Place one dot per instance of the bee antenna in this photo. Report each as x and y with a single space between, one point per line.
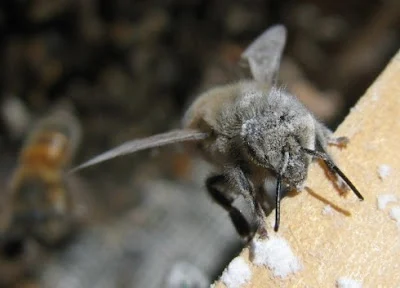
278 191
332 166
278 202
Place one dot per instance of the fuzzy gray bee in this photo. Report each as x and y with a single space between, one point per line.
249 130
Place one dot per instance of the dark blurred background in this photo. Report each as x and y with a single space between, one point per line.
130 68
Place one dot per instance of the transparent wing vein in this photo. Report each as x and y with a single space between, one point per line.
144 143
264 54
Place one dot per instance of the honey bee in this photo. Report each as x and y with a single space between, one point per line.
250 131
40 204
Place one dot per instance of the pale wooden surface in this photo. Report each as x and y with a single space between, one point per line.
358 240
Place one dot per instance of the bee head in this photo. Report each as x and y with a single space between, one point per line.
266 140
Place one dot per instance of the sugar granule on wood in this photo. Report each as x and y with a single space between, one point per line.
327 210
276 254
384 171
385 199
345 282
236 274
395 214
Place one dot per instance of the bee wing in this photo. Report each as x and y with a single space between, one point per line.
264 54
145 143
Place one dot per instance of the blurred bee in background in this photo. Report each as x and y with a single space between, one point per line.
250 131
40 205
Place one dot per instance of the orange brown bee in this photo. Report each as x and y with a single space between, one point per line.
41 206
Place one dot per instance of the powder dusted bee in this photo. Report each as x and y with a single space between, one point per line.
249 130
41 205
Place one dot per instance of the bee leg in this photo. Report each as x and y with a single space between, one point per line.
335 169
225 199
241 183
324 138
260 220
339 141
263 208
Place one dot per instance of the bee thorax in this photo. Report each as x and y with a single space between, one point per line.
251 128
